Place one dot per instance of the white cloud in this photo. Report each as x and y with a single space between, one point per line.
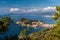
48 16
49 8
45 9
14 9
33 10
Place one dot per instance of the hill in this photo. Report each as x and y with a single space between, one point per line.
48 34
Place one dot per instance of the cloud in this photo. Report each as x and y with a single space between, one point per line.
45 9
48 16
23 10
49 8
29 10
33 10
14 9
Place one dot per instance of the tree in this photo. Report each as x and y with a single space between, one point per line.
56 16
4 23
23 32
58 8
23 19
48 34
58 22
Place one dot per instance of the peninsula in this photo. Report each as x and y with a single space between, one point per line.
33 23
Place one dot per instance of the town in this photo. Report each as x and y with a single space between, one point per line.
33 23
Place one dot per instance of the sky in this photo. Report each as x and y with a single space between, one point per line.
27 6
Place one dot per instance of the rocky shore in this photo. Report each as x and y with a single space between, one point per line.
33 23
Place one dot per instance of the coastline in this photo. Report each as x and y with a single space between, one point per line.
39 24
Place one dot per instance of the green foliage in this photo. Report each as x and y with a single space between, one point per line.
50 33
57 13
58 8
4 22
23 19
56 16
23 32
58 22
27 21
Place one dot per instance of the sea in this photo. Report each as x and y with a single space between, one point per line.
14 28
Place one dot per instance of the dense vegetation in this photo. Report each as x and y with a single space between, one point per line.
4 23
50 33
23 32
28 21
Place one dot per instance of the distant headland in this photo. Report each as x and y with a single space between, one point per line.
33 23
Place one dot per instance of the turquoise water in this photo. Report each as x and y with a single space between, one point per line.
16 29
